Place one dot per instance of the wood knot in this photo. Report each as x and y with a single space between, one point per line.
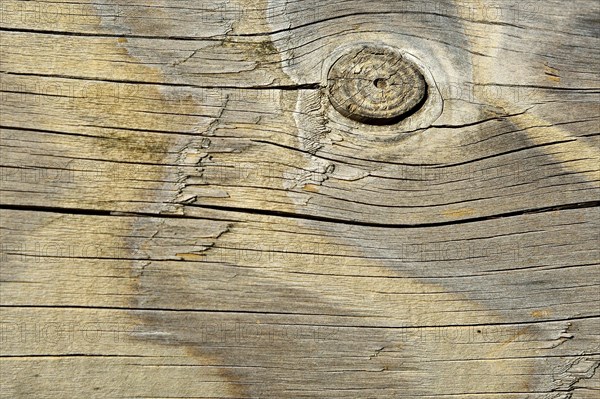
376 85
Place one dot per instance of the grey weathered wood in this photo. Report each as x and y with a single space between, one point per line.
185 215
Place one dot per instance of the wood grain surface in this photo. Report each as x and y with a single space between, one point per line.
185 215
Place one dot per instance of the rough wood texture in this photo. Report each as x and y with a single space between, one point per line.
184 215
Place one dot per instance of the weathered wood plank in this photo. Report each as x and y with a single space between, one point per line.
394 271
185 215
201 283
241 167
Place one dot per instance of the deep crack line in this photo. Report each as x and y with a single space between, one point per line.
298 216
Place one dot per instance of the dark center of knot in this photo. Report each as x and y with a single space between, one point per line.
380 83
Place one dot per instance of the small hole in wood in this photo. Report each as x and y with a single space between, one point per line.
380 83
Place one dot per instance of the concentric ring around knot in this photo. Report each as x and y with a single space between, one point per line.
376 85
